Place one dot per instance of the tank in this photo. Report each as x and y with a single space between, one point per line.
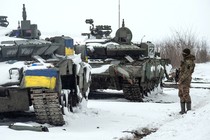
43 74
119 64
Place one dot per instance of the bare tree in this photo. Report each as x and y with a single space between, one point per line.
202 54
172 47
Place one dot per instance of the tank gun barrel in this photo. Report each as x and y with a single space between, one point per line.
24 13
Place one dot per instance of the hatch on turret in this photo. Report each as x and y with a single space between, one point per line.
123 35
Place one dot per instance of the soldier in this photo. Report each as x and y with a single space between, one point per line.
185 76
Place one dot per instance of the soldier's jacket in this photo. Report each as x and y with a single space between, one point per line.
186 69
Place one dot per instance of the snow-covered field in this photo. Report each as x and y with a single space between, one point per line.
107 119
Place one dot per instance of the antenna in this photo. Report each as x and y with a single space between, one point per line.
118 13
142 38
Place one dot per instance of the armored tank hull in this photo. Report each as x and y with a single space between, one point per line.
136 77
46 86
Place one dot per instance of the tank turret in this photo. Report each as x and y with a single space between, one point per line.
118 47
28 43
123 35
26 29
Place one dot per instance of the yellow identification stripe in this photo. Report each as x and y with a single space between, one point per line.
40 81
69 51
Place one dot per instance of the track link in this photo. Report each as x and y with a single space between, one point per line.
132 92
47 108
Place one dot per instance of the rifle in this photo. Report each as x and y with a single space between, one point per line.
177 75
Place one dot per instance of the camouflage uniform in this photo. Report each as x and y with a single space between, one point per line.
185 76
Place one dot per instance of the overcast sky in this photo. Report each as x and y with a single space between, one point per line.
156 19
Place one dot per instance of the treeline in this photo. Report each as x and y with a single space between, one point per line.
172 47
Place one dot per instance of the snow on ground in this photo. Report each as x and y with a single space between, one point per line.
108 119
202 73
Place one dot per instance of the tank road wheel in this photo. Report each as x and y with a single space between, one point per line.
132 92
69 99
63 102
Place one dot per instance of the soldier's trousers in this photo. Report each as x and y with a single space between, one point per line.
184 93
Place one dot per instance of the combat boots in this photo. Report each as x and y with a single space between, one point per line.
188 106
182 108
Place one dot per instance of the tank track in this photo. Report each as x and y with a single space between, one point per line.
47 108
132 92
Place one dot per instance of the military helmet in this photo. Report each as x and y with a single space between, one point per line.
186 51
